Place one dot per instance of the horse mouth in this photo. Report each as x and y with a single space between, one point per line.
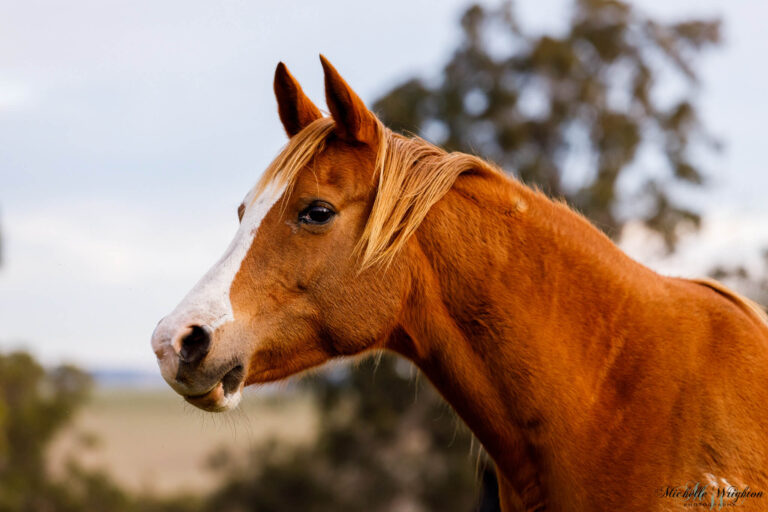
225 395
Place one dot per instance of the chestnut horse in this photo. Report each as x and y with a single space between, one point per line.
593 382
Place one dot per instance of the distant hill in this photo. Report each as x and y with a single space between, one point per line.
122 378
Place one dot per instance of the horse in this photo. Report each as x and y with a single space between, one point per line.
594 383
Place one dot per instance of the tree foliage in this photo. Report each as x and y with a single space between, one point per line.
34 404
571 113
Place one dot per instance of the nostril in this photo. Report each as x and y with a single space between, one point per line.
195 344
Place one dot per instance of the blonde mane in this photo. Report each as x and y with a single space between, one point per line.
412 176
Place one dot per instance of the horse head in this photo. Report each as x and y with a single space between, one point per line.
297 285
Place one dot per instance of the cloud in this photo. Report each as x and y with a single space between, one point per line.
14 96
725 238
110 243
89 281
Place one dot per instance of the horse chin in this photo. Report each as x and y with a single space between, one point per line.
224 396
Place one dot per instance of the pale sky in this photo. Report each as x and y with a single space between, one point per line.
130 131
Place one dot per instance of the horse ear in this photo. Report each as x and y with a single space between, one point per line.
296 110
354 122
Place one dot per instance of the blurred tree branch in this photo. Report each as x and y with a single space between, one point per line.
526 102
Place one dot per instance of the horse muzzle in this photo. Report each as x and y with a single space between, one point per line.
189 365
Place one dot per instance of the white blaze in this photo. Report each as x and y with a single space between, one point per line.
208 303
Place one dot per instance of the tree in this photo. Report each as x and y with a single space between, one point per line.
533 104
34 404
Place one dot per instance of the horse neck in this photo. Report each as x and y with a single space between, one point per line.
514 298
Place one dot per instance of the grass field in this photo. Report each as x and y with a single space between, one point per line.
152 441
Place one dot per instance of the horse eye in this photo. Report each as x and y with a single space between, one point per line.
316 214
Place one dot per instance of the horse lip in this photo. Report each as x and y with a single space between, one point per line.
224 395
208 401
201 395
